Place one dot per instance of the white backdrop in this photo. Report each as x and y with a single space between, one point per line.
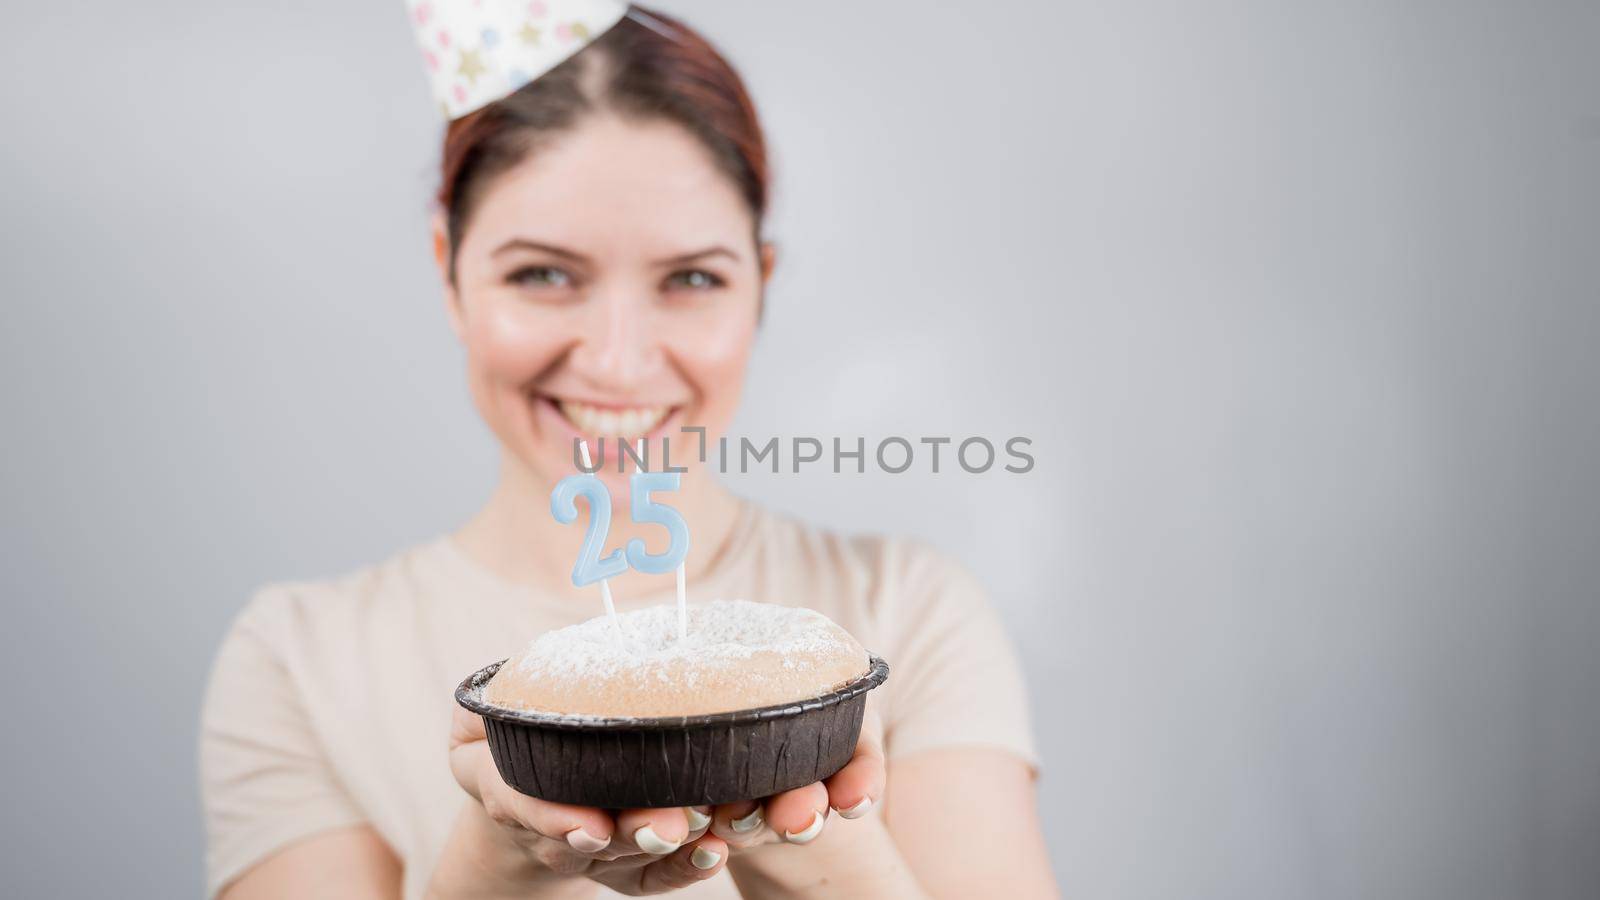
1295 301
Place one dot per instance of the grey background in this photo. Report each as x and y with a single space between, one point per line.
1296 300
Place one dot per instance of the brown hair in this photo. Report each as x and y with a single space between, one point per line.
647 65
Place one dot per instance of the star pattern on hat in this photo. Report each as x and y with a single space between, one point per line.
471 66
479 51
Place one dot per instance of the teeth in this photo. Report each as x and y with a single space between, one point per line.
620 423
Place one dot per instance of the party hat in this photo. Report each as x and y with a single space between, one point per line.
477 51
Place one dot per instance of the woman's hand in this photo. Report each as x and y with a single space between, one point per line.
506 842
799 816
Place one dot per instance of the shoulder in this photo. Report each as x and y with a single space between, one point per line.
955 679
894 580
784 532
292 618
292 709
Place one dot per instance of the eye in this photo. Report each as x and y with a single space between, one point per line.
540 277
694 280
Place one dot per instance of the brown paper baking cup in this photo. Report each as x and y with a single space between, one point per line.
628 763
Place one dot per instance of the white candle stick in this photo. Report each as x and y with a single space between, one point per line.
683 606
683 592
605 589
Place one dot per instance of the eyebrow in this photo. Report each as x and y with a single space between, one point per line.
552 249
718 250
555 250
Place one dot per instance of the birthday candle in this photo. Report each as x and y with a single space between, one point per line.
646 510
590 567
683 605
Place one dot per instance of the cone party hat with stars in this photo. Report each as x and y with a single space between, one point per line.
477 51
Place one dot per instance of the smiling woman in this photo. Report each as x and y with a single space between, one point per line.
662 191
600 251
627 317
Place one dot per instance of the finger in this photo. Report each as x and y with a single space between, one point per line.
740 824
585 829
699 820
855 788
469 749
626 853
693 862
465 727
798 815
653 831
561 858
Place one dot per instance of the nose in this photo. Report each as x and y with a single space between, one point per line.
614 349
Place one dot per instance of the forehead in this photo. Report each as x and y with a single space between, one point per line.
614 184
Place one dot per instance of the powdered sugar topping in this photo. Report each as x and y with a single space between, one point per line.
722 634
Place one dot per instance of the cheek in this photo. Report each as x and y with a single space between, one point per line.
715 359
508 347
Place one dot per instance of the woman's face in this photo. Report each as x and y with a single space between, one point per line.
608 286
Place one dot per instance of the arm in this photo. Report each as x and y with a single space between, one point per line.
958 822
503 845
279 821
841 859
996 851
958 815
344 864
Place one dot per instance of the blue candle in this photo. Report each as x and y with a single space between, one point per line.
646 510
563 505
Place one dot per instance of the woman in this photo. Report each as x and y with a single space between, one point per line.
599 243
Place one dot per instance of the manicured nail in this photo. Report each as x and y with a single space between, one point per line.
584 842
859 810
805 837
652 843
697 820
704 859
748 823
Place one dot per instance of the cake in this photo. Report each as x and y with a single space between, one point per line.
755 699
735 655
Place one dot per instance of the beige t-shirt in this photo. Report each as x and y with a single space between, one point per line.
330 701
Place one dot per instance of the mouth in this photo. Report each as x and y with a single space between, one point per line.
620 422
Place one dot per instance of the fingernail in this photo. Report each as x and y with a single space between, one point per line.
859 810
652 843
805 837
584 842
748 823
703 859
697 819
